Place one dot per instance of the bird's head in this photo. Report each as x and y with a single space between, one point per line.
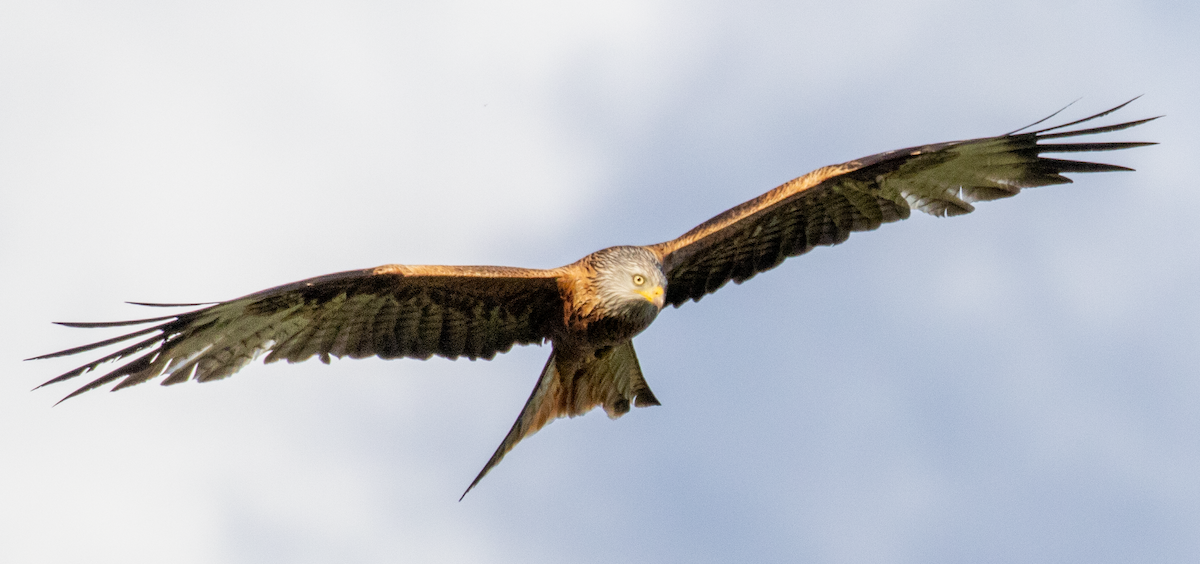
630 281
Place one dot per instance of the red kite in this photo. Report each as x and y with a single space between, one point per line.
589 310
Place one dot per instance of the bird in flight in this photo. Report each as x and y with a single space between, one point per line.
590 310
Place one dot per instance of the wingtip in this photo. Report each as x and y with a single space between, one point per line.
1051 116
1042 133
154 304
44 384
68 396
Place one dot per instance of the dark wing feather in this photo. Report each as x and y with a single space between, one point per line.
390 312
823 207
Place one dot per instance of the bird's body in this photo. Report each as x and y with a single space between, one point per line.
590 310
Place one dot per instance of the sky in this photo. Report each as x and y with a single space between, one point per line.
1021 384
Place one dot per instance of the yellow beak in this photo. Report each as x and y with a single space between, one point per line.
654 296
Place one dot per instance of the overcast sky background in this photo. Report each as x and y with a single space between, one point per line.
1017 385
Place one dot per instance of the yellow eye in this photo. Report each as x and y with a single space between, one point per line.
638 279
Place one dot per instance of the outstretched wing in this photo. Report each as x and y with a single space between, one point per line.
390 312
824 206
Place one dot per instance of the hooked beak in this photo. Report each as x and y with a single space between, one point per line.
655 296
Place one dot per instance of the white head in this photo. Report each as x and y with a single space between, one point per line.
630 283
